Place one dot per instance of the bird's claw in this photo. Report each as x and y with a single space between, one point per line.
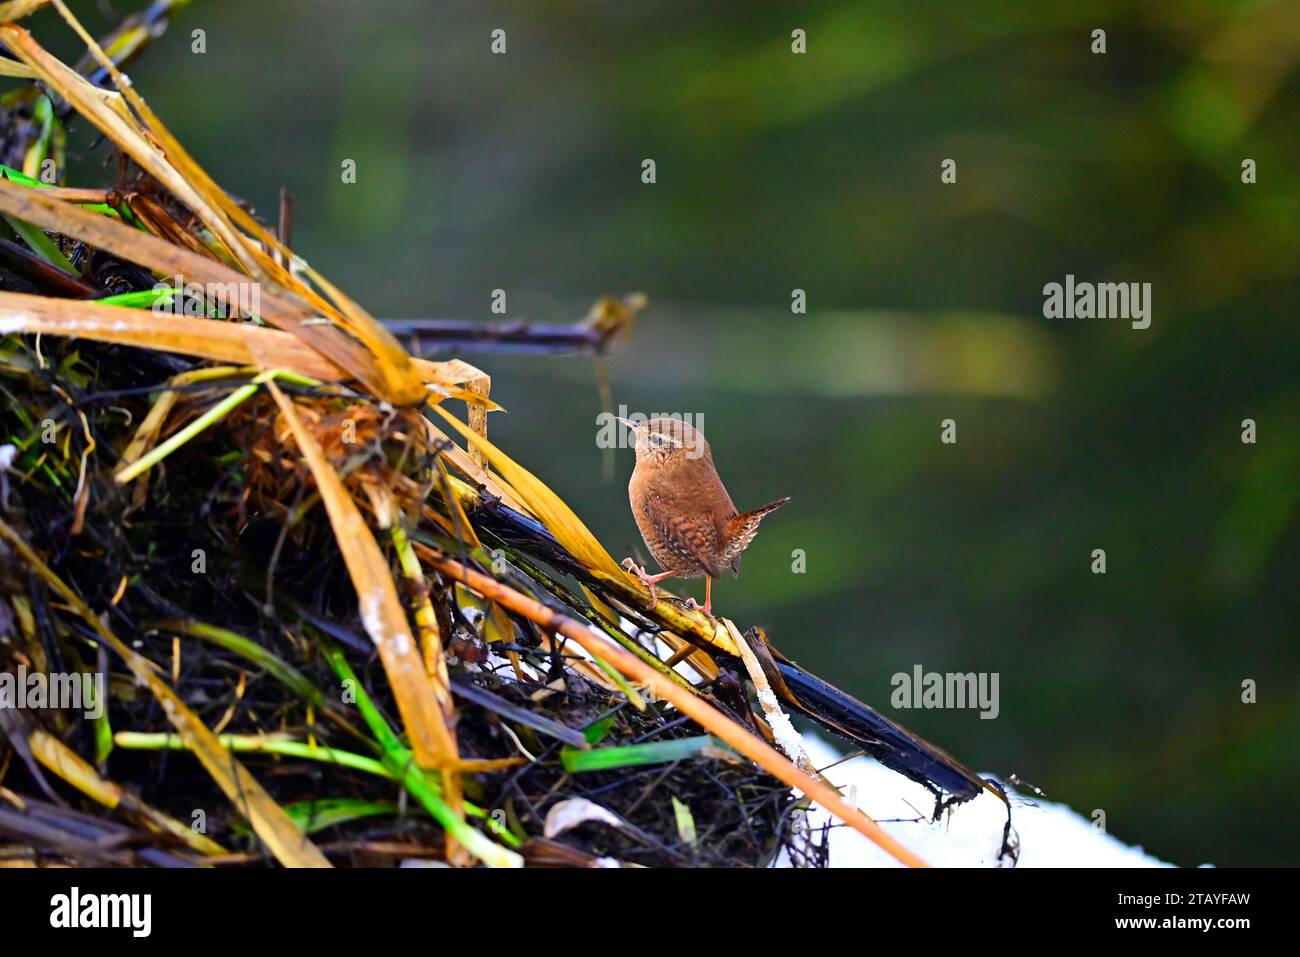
641 575
692 604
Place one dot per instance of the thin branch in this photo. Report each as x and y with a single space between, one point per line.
609 323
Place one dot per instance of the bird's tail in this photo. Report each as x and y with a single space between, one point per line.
741 531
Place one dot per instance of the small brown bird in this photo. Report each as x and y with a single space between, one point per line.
685 515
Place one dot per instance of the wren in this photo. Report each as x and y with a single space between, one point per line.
685 515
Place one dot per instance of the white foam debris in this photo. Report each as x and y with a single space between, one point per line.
968 835
787 738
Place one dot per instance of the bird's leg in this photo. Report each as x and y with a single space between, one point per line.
708 599
646 579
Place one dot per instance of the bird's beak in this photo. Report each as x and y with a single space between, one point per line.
628 422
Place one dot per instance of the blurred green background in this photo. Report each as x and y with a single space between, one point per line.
1119 692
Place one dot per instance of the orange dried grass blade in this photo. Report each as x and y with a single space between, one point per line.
40 207
228 342
381 610
686 701
268 820
277 308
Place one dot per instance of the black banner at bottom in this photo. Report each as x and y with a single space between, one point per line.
939 907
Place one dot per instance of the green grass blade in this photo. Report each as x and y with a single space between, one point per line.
654 752
398 759
321 813
144 299
42 245
251 651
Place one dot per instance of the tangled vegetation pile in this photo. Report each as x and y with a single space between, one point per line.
264 597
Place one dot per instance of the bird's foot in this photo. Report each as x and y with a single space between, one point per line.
692 604
645 578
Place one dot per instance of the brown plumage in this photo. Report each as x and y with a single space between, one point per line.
685 515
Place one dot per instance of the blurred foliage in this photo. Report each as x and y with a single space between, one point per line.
1120 692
